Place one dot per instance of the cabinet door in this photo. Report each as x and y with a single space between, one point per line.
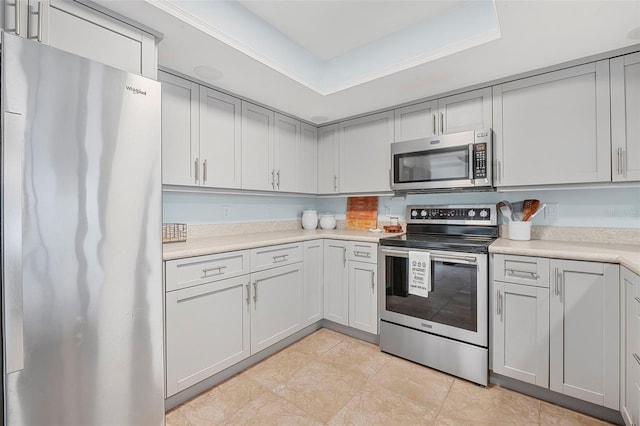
80 30
220 139
277 301
308 159
312 291
207 330
336 284
585 324
15 17
363 296
328 148
630 372
180 136
365 153
625 117
286 152
520 329
257 148
466 111
416 121
554 128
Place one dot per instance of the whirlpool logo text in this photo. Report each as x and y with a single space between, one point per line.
136 91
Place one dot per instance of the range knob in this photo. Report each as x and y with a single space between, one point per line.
414 213
423 213
471 213
484 213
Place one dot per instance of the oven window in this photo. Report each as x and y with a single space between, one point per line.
428 166
453 299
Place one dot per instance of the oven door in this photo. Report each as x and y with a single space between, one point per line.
457 303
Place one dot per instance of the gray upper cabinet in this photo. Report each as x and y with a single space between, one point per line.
625 117
287 149
75 28
554 128
365 153
328 160
457 113
257 147
200 135
308 159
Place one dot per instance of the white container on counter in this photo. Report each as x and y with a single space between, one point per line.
327 221
309 219
519 230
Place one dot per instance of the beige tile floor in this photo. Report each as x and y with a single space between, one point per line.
332 379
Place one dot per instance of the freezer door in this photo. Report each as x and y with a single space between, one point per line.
90 290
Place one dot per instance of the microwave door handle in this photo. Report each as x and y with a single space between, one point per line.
471 164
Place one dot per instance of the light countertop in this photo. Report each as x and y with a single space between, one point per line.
224 243
627 255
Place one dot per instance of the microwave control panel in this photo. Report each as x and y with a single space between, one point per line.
480 161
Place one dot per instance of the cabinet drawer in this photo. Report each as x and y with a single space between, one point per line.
362 252
183 273
272 256
521 270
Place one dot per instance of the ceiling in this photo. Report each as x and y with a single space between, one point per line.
324 60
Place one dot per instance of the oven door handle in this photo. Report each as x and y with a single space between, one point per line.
395 252
465 259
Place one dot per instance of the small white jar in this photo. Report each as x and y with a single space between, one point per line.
328 221
309 219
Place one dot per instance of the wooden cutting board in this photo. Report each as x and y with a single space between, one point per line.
362 213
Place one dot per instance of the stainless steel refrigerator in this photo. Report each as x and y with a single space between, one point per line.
81 241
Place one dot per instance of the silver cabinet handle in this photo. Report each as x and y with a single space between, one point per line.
12 278
40 13
204 171
278 177
344 256
498 303
195 164
555 281
620 166
515 272
273 179
373 281
362 254
17 16
635 355
214 268
255 291
435 129
248 292
442 123
280 258
335 183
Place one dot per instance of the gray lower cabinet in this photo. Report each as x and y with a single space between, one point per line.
276 300
207 330
363 296
336 281
313 289
630 368
560 332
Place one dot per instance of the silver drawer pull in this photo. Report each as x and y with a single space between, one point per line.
214 268
280 258
515 272
637 358
362 254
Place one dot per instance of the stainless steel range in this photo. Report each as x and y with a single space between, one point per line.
434 289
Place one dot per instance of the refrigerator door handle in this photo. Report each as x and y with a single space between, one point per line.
13 141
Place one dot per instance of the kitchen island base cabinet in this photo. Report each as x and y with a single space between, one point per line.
207 330
276 305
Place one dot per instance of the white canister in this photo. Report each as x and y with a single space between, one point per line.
327 221
309 219
519 230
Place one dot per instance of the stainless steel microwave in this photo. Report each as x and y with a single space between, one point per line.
457 161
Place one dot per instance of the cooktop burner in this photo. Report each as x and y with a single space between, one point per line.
468 228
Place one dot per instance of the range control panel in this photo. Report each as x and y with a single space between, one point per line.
483 214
